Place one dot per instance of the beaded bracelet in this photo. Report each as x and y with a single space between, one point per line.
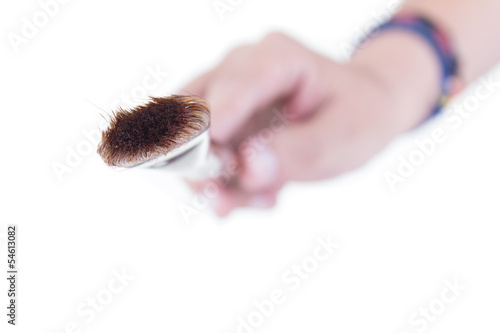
440 43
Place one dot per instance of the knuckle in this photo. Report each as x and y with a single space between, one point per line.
275 37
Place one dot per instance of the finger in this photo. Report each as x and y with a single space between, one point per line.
207 189
316 148
232 198
229 198
252 79
197 86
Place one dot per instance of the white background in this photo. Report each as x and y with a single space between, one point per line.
397 248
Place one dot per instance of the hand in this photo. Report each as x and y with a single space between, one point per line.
285 113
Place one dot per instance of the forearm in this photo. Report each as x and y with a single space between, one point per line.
408 65
473 27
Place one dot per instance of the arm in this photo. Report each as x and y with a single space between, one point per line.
337 116
474 27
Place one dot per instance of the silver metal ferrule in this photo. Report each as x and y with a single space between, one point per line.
192 160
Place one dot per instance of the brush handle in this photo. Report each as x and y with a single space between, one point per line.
210 169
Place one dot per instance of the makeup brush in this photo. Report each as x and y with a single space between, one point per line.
167 132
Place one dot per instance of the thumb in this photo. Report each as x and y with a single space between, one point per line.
260 167
292 151
327 143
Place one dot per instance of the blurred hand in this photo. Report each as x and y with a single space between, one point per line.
281 112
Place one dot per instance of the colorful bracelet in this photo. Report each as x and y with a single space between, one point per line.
440 43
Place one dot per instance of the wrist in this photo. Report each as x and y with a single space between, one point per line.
410 71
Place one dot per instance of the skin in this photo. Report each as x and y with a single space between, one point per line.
341 114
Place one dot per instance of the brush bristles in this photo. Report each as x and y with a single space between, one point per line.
151 130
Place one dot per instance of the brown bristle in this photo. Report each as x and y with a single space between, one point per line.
153 129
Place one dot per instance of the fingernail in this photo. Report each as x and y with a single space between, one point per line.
216 204
260 201
262 169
